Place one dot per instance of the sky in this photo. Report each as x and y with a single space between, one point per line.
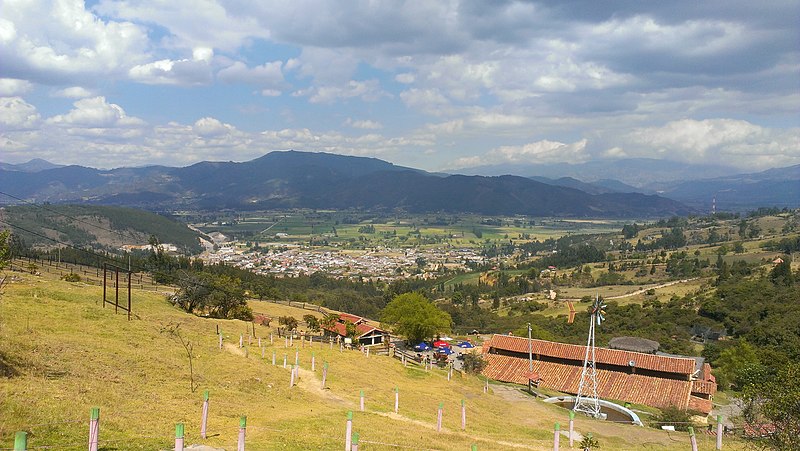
435 85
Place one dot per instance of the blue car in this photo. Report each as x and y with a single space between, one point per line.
422 347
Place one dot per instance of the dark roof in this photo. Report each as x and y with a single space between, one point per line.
634 344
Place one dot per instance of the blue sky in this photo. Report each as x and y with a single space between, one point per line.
433 85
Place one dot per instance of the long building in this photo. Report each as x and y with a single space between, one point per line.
626 376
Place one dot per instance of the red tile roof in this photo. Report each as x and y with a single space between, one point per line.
617 385
704 387
352 318
683 366
340 328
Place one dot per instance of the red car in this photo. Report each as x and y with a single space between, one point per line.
441 344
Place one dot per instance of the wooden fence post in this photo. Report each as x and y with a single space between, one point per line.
439 417
204 415
354 447
291 378
692 438
719 432
463 415
396 399
313 362
324 374
179 437
361 403
94 428
262 352
348 431
273 357
556 436
259 342
284 360
241 340
220 341
242 431
20 441
571 426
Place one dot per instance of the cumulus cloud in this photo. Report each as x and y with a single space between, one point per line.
14 87
17 114
74 92
209 127
172 72
725 141
96 112
367 90
56 41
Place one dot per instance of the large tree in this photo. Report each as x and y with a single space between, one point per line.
415 317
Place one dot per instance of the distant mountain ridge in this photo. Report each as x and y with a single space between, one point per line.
294 179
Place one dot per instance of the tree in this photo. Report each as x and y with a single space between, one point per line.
777 400
312 322
781 274
174 331
415 317
289 321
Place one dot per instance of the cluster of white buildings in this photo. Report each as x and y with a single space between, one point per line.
374 264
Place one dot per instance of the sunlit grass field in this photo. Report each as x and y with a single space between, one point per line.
68 354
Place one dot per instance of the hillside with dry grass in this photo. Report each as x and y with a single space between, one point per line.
63 353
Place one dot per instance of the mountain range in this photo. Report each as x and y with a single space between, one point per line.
293 179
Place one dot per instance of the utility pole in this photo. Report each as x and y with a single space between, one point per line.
530 350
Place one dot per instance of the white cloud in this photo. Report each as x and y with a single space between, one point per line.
532 153
74 92
363 124
51 41
17 114
95 112
172 72
210 127
720 141
14 87
367 90
405 78
265 75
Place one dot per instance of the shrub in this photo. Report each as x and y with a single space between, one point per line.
71 277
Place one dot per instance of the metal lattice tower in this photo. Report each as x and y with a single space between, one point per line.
586 401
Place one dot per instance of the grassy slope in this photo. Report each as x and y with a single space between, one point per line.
71 354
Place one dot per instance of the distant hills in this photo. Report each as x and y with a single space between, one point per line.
96 226
294 179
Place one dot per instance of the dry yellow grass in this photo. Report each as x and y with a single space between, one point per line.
70 354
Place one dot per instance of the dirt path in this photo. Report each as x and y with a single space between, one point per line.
634 293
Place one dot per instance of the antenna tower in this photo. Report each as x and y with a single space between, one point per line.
587 401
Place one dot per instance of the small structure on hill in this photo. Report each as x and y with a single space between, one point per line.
634 344
364 333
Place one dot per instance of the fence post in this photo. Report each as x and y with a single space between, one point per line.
719 432
259 342
348 432
313 362
291 337
297 358
362 400
291 378
396 399
21 441
94 428
242 430
179 437
262 351
474 447
324 374
241 340
273 357
692 438
571 426
204 417
270 340
286 344
556 436
439 418
284 360
220 340
354 447
463 415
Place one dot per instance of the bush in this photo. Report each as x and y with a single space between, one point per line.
673 416
473 363
71 277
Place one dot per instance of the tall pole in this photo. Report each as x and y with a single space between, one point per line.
530 350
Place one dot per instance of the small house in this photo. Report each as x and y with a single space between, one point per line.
366 335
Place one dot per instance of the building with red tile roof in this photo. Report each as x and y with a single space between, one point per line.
365 334
627 376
